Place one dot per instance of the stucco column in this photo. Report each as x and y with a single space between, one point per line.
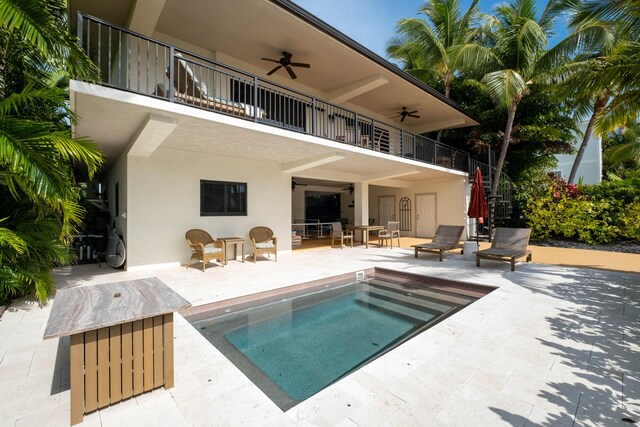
361 200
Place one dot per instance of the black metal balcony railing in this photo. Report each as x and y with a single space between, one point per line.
136 63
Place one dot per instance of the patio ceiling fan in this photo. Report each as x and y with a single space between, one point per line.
404 114
350 189
285 62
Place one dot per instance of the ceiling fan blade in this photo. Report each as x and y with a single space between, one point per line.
412 112
274 70
414 116
300 64
291 73
403 116
271 60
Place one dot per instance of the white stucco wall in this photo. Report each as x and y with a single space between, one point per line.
450 201
164 202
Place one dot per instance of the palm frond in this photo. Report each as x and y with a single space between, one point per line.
505 86
622 110
11 240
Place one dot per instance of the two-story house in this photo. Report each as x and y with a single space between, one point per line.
207 110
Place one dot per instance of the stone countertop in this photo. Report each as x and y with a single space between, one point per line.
86 308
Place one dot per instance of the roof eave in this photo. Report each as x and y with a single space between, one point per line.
346 40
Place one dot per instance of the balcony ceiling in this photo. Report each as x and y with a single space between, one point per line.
248 30
116 120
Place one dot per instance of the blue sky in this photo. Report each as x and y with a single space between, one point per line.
372 22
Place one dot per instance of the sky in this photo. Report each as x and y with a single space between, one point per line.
372 22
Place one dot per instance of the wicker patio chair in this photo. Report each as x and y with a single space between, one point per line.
264 242
204 248
337 233
508 244
447 238
392 231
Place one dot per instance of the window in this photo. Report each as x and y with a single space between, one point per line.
219 198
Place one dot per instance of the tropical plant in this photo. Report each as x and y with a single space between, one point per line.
442 44
597 214
622 155
518 38
39 206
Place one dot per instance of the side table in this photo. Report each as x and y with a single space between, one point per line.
235 241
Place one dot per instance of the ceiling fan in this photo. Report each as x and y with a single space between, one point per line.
294 184
350 189
404 114
285 62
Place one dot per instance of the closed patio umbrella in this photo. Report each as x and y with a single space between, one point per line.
478 203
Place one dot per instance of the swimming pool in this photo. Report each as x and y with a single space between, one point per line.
295 344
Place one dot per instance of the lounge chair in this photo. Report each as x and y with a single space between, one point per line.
392 231
447 238
204 248
337 233
191 91
264 242
508 244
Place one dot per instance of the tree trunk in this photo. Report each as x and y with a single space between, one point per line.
447 91
504 148
599 104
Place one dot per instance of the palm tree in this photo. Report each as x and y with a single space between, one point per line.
519 38
577 61
437 47
39 205
621 63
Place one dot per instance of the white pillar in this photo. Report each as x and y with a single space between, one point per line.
361 200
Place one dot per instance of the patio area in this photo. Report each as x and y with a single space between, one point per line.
552 346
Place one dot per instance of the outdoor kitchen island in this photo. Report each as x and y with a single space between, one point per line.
121 340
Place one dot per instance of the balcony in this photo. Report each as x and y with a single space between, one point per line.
136 63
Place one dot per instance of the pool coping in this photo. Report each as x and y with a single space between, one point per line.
467 289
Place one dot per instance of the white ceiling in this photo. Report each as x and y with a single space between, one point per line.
113 124
248 30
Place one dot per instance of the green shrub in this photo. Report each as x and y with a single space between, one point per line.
592 214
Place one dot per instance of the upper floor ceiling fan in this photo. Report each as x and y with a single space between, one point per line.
285 62
404 114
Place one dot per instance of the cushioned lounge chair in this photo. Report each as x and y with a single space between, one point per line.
191 91
447 238
264 242
392 231
204 248
337 233
508 244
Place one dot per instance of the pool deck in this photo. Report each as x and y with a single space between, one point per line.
552 346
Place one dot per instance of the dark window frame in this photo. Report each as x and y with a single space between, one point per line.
226 199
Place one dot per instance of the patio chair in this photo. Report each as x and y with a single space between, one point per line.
508 244
337 233
392 231
264 242
447 238
204 248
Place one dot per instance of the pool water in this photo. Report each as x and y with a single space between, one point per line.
295 347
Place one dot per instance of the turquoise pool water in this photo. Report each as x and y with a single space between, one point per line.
296 347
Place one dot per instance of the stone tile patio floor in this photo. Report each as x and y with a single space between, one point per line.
552 346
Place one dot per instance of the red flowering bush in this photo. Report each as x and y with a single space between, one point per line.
559 187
